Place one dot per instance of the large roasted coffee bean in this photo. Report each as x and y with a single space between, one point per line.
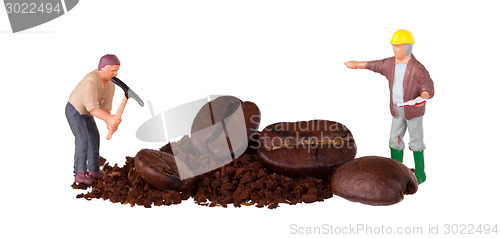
225 121
374 180
160 170
306 148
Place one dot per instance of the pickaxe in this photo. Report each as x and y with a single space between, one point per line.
129 93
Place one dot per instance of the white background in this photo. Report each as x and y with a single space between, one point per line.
287 57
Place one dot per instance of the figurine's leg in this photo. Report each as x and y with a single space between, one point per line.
397 154
418 156
415 128
398 129
79 129
93 145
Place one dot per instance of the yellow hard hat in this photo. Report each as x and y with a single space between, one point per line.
402 37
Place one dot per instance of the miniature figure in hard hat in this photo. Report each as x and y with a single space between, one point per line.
408 80
92 97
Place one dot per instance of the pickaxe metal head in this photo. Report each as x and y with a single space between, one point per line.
129 93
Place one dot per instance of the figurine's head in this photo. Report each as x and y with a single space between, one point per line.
402 51
109 66
402 43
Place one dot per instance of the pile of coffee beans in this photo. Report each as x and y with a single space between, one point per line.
244 181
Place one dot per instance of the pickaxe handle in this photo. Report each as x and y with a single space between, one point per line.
119 113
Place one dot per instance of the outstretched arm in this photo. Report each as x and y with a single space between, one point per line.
356 64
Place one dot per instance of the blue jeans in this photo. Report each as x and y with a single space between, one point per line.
86 140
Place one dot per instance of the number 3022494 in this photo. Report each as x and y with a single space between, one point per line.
33 8
468 229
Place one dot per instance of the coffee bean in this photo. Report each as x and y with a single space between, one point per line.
373 180
225 124
306 148
159 169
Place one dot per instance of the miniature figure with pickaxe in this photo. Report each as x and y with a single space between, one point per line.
93 97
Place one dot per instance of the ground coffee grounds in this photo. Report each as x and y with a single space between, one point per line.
244 181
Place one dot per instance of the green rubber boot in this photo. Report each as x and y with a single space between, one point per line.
418 156
396 154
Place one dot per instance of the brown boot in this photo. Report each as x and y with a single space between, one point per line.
95 174
82 178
